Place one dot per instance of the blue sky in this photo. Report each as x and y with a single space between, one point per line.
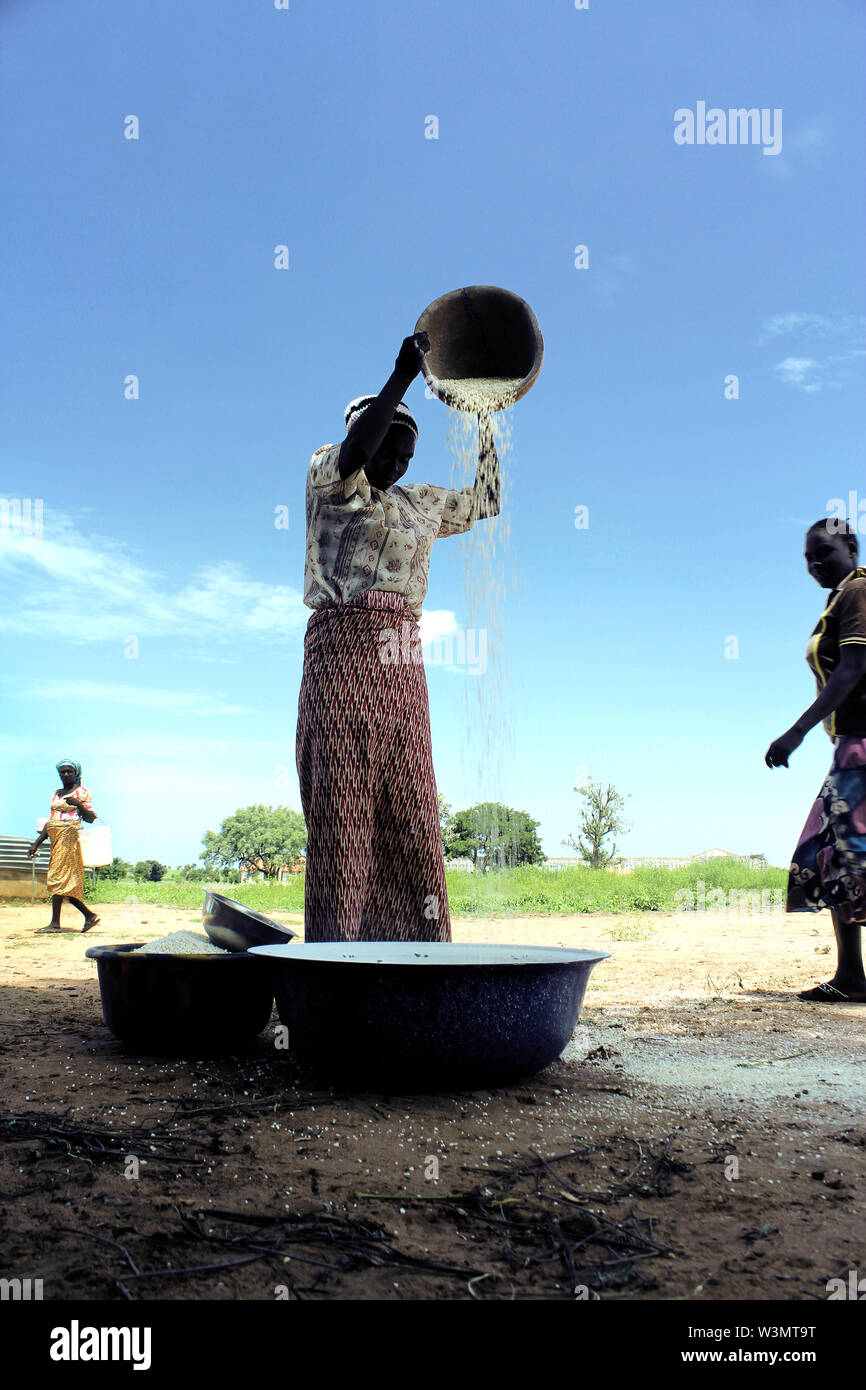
306 127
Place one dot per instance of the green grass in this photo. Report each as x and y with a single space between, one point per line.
531 890
630 931
523 890
284 897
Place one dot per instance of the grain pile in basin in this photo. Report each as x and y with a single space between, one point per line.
180 943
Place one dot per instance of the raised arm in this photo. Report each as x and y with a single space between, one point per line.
367 433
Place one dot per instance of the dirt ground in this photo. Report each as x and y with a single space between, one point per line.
703 1137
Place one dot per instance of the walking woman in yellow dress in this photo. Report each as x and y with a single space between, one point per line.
70 805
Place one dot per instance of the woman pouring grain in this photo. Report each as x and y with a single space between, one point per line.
375 869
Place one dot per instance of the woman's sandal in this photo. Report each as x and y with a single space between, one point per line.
827 994
90 922
40 931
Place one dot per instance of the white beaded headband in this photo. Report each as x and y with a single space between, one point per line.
355 409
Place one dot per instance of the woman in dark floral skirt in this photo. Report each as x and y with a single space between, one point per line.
829 864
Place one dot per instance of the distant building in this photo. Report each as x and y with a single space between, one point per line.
627 865
257 874
21 876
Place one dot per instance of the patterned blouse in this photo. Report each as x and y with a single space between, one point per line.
61 812
842 624
359 538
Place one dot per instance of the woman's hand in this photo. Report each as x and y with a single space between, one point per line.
780 749
31 853
410 358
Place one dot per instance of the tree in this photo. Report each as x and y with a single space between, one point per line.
118 868
600 816
149 870
444 821
493 836
193 873
256 837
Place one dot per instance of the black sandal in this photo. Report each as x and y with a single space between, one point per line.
827 994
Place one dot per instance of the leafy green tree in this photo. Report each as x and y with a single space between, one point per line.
149 871
444 820
256 837
601 817
194 873
118 868
493 836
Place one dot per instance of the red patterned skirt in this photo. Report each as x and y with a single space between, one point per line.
375 867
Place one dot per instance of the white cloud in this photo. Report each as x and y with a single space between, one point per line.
21 749
436 623
90 589
799 371
780 324
808 370
804 323
130 696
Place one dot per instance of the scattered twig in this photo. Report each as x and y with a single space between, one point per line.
104 1240
196 1269
477 1280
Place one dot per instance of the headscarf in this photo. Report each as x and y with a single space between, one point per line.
70 762
355 409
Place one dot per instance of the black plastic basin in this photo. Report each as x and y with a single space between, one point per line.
234 927
193 1004
420 1016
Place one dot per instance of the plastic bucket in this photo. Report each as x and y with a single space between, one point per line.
482 331
95 844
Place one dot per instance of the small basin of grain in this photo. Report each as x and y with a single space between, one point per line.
197 1001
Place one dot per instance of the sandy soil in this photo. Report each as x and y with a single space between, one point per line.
701 1138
